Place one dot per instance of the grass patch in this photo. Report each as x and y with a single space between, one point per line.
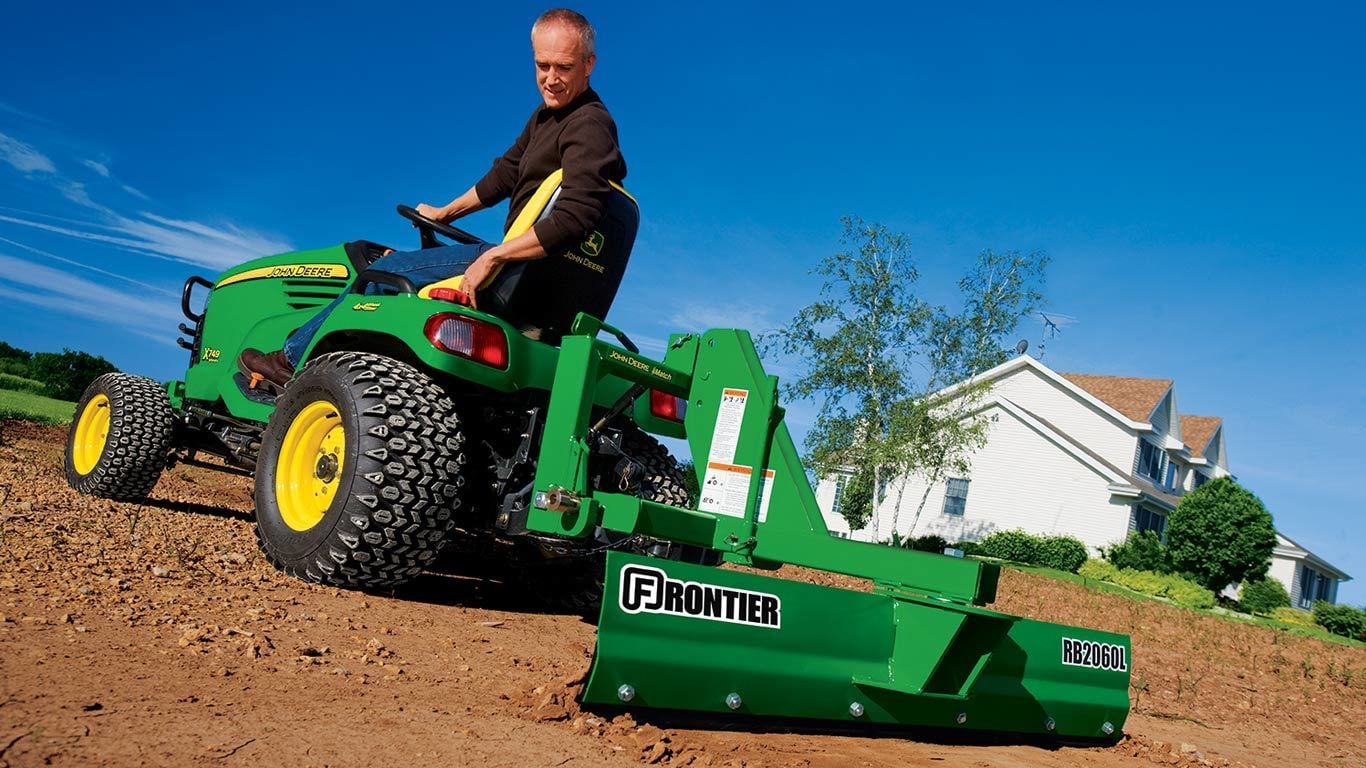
20 384
34 407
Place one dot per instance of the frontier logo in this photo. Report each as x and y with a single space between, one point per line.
650 590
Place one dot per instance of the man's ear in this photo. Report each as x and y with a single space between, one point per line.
589 62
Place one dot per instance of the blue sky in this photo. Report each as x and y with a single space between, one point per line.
1195 174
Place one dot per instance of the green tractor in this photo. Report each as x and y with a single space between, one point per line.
416 420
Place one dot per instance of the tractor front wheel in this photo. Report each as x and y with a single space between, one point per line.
120 437
360 473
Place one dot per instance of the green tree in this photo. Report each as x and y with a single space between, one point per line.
14 360
874 352
1221 534
66 375
856 500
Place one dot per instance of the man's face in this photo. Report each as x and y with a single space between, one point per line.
561 69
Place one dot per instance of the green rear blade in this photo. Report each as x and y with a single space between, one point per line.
680 636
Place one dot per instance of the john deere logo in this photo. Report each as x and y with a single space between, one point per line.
593 245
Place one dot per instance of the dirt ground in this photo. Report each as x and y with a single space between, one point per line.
154 634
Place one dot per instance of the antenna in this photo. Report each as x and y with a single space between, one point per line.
1052 325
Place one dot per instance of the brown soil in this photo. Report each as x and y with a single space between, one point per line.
154 634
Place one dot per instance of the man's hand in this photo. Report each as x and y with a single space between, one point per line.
435 214
478 272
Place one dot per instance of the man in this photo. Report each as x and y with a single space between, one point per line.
571 130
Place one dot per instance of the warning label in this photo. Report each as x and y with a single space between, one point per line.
726 436
725 488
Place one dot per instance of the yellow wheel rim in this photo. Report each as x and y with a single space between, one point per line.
309 470
92 432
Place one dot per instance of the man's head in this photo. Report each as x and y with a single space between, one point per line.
562 42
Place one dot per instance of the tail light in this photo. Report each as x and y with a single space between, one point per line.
467 337
667 406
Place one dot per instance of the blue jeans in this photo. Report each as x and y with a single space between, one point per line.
423 267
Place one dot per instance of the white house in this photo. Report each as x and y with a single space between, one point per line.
1306 577
1095 457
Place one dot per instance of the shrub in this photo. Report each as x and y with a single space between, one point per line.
926 544
968 547
1064 553
1341 619
1181 591
1011 545
1263 596
1188 593
1222 533
1098 570
1142 552
1293 616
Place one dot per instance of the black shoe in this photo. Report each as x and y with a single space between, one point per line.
270 371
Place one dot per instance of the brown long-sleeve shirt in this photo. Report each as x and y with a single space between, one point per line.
581 138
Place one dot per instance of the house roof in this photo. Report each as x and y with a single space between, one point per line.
1135 398
1196 432
1288 548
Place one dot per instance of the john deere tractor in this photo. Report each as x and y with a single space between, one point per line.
416 420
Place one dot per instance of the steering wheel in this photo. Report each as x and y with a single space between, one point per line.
430 228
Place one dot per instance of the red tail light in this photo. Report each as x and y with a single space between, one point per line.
666 406
464 336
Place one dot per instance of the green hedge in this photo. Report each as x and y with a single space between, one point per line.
1341 619
1180 591
1064 553
1142 552
1263 596
20 384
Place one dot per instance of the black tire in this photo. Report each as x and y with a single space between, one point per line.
571 578
400 481
120 437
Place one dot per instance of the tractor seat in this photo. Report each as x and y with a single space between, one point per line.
546 294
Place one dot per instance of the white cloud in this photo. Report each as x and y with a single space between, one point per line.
24 158
700 317
70 294
151 234
97 167
88 267
188 242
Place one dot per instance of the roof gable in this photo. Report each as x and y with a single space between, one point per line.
1134 398
1197 431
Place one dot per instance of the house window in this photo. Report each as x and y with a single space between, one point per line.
841 479
1148 520
956 497
1200 479
1171 475
1314 586
1150 461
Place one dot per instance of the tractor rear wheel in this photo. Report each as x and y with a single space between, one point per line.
360 472
120 437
